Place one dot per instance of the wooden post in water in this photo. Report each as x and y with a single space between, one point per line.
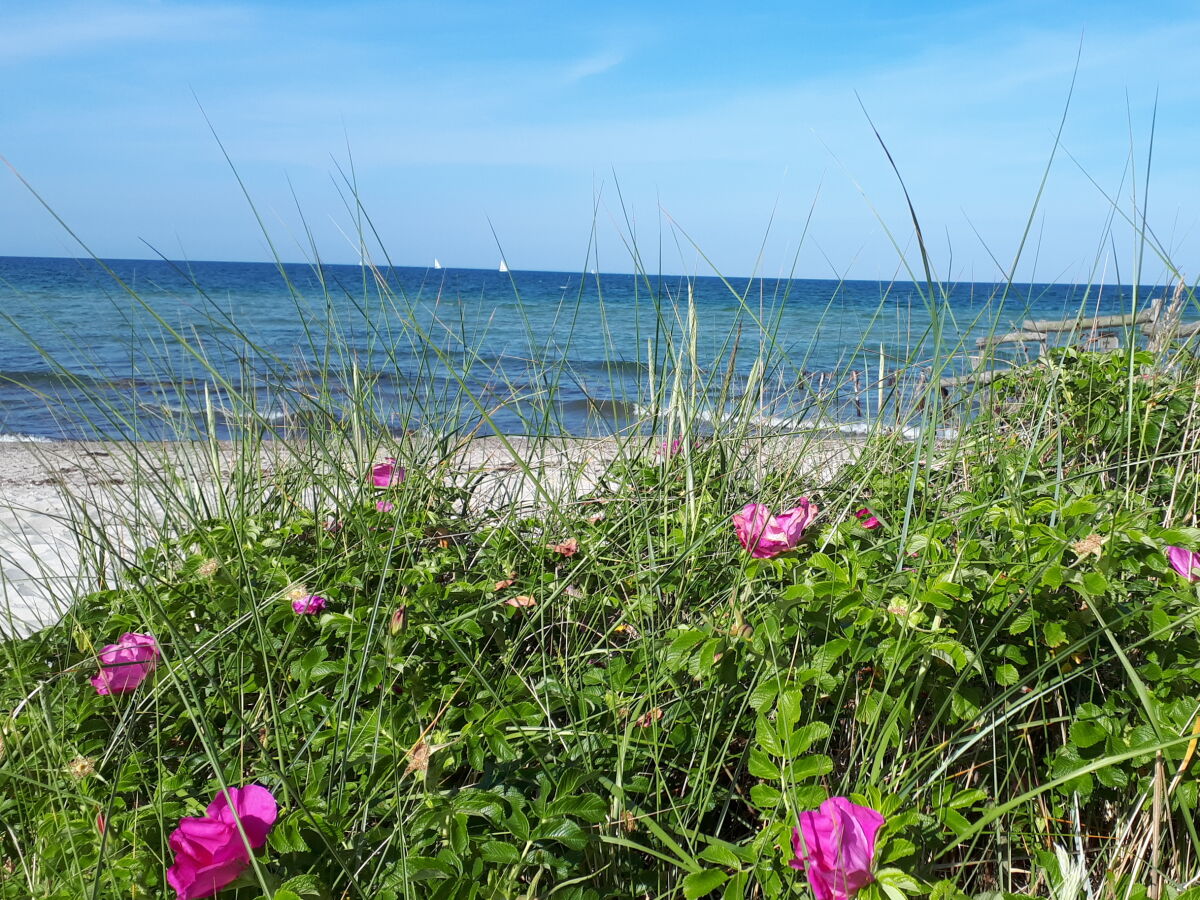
879 393
1097 332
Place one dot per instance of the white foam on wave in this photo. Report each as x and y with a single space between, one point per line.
24 439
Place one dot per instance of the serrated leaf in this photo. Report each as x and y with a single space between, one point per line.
801 739
811 767
791 705
565 831
1021 623
898 848
767 738
764 797
500 852
480 803
761 765
1054 633
898 879
764 694
588 807
308 887
721 854
1087 734
1007 675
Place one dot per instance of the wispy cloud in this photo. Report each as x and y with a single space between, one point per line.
61 29
596 64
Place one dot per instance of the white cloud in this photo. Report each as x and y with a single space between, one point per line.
596 64
79 26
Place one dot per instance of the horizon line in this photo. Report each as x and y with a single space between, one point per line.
592 274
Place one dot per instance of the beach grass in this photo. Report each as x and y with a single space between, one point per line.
545 666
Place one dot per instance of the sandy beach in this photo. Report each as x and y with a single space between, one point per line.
49 490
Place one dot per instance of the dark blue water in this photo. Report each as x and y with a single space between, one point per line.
148 349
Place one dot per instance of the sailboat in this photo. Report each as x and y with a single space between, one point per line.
436 263
503 266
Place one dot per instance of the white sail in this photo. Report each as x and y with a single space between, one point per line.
436 263
503 266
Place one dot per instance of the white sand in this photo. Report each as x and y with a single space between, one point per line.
48 489
40 552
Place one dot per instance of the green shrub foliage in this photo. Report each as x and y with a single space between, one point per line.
484 710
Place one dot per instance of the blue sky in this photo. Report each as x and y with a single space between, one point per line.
720 129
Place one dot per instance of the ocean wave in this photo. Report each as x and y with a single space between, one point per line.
607 407
167 410
24 439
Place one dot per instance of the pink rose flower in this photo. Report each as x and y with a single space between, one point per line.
308 605
210 851
868 521
765 535
1185 562
387 474
835 847
125 665
384 505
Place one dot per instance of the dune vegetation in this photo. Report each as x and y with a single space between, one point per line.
697 657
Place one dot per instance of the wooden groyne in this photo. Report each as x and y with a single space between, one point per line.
1157 324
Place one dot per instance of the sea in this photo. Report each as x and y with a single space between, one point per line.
167 350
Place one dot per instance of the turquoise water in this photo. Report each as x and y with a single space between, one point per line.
154 349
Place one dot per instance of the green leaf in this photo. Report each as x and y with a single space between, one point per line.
1021 623
791 705
565 831
588 807
518 824
801 739
1007 675
1080 507
721 854
764 694
703 883
761 765
768 739
308 887
1087 734
898 848
946 890
480 803
898 879
1054 633
764 797
811 767
682 646
500 852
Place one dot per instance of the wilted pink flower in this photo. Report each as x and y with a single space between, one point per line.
125 665
568 548
210 851
384 505
308 605
765 535
1185 562
387 474
670 448
868 521
835 847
